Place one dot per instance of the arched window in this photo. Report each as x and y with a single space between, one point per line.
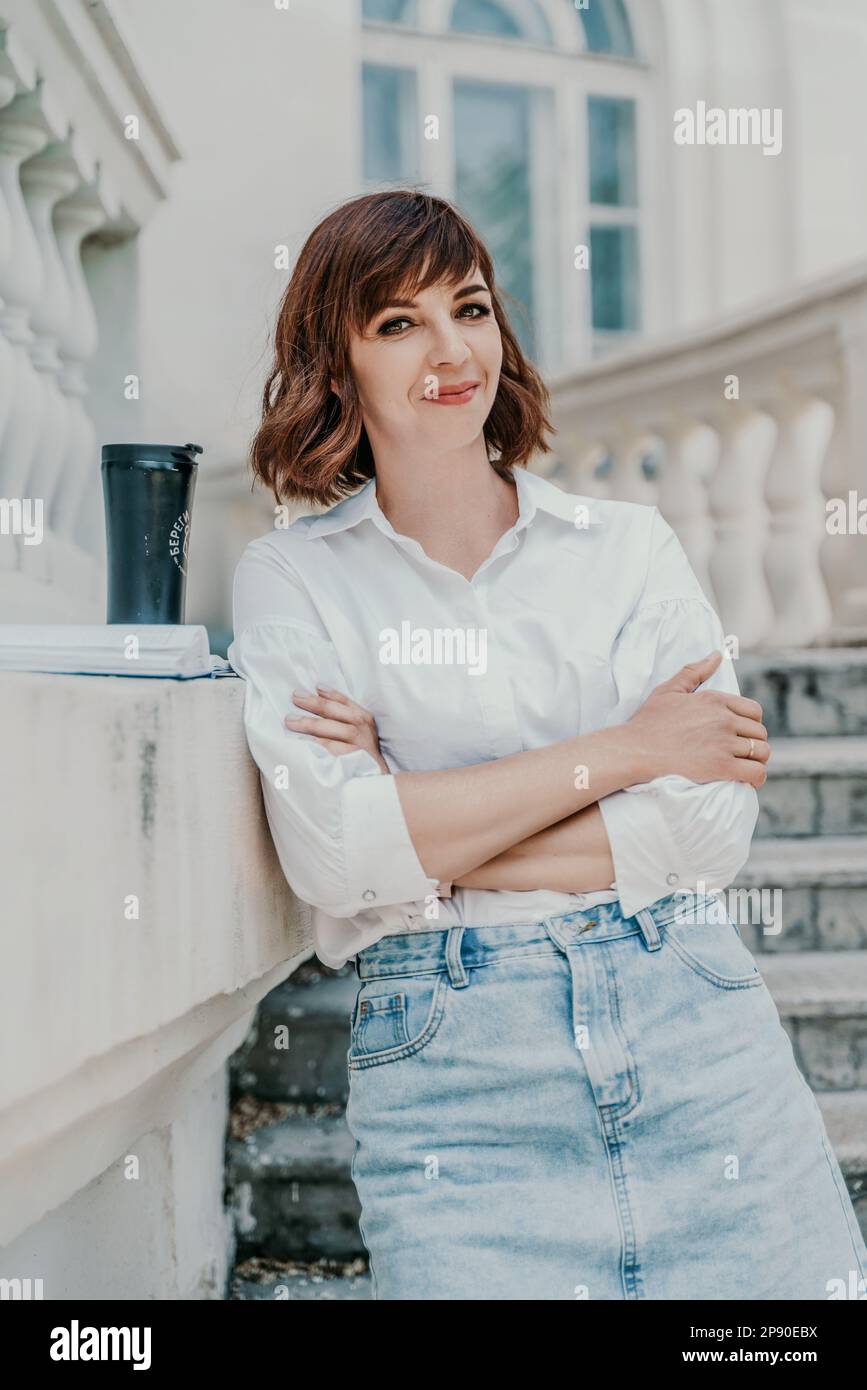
607 28
511 19
533 116
391 11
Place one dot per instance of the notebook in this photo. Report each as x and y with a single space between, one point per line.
110 649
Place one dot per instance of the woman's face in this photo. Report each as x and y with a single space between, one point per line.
413 354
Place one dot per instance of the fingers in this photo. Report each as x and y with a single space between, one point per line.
749 746
322 728
338 749
333 704
740 704
335 721
748 770
690 676
750 728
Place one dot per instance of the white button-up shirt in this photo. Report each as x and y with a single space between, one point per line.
582 607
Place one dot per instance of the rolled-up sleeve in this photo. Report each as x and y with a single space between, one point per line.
335 819
671 833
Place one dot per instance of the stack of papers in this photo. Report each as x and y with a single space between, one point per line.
110 649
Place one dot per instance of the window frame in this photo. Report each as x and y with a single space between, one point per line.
570 74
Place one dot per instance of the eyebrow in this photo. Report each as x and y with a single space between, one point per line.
458 294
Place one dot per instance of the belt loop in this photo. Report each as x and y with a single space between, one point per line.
649 930
455 966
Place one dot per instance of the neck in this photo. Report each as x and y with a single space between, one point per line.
453 502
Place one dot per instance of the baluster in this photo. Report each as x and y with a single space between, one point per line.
9 75
844 557
797 519
47 177
24 129
626 482
579 458
737 505
692 450
74 217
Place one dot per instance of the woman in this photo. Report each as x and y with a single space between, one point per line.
488 766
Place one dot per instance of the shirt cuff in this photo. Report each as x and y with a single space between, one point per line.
648 863
382 866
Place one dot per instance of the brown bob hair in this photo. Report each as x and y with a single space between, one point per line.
311 444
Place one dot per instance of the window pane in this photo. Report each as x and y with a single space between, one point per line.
389 124
611 127
393 11
607 28
614 278
522 21
492 185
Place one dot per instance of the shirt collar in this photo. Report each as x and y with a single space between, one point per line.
534 494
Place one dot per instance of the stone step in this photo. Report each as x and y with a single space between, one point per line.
822 1001
815 786
810 891
255 1280
808 691
301 1286
315 1006
290 1190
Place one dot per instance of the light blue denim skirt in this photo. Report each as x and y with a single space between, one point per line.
590 1106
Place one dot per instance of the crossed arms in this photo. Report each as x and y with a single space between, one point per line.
668 795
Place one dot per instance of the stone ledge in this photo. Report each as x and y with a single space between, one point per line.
145 915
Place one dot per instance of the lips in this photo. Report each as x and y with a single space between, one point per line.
458 394
457 390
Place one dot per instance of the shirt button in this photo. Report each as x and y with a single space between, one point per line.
672 878
368 895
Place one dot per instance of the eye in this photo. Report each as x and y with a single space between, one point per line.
391 326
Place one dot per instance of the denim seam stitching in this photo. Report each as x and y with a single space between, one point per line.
846 1206
720 981
361 1232
393 1054
618 1110
843 1196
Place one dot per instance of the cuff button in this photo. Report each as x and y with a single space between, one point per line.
672 878
368 895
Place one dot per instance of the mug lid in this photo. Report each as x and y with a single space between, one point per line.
155 453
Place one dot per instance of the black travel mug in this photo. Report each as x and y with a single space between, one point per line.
148 491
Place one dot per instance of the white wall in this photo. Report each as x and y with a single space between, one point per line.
151 1226
827 60
260 102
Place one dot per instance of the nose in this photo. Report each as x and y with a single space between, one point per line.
449 345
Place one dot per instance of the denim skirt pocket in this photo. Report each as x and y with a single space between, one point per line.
715 951
395 1017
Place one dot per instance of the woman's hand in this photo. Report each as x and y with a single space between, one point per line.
338 723
702 734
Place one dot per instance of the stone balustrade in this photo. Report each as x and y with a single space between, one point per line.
82 165
742 433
